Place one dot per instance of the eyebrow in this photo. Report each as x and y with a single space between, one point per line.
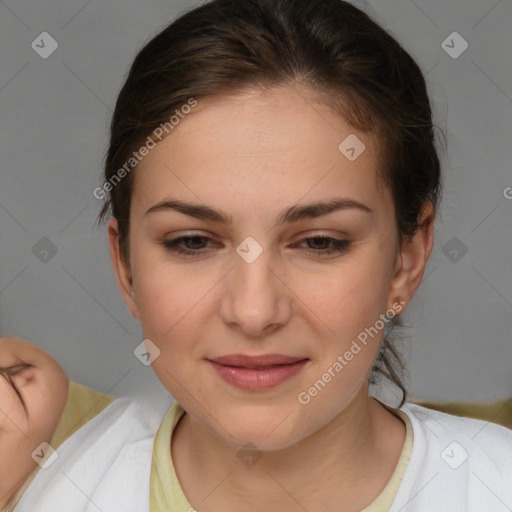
290 215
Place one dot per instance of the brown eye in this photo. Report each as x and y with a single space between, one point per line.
328 245
191 245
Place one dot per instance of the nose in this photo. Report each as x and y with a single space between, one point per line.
256 300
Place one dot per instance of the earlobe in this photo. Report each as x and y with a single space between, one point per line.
121 268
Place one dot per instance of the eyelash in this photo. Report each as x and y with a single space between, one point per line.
340 246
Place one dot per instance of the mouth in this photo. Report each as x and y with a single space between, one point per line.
257 373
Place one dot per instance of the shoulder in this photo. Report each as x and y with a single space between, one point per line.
109 457
462 463
494 439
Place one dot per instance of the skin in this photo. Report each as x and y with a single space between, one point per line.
43 386
253 155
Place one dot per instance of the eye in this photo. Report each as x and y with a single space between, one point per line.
175 246
195 244
328 245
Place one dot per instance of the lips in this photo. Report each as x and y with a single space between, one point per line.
262 362
257 373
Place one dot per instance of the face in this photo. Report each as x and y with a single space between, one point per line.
305 287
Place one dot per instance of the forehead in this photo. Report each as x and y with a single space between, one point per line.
266 144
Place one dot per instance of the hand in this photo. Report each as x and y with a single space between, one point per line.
33 392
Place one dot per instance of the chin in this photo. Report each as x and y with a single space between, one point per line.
266 429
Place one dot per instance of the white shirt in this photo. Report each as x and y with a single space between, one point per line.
456 464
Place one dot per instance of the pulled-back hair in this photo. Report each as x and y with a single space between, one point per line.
330 46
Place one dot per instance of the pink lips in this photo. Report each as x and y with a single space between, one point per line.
257 373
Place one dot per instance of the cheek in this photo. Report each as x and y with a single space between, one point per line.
161 296
346 306
349 304
347 299
172 309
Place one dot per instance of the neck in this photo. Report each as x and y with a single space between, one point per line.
350 459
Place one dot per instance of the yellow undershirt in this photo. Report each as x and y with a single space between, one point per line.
167 495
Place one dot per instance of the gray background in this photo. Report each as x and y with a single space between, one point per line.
54 119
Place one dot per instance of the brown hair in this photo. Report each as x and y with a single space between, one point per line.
329 46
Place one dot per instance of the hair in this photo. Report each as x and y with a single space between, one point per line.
332 48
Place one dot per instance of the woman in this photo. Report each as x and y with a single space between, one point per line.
273 181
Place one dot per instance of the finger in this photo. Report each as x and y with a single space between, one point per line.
13 369
10 404
7 374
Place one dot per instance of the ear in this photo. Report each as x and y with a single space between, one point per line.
121 268
412 259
